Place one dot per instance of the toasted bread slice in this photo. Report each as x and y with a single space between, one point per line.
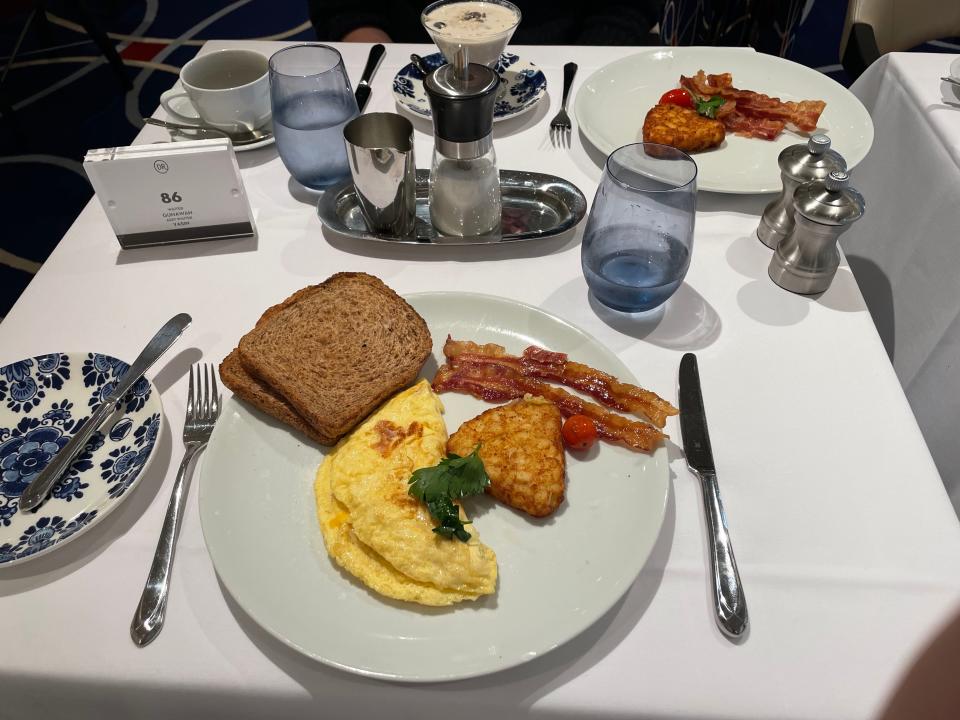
246 387
522 451
682 128
338 350
250 389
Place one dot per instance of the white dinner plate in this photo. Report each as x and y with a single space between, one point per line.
557 575
613 102
43 401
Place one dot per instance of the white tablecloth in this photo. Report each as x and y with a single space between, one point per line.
847 544
906 249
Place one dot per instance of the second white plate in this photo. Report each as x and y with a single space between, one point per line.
613 102
557 576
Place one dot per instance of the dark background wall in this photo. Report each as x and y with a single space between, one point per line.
67 99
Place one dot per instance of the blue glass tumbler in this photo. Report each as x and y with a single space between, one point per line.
639 236
312 100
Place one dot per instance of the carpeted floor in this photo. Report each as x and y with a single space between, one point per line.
67 99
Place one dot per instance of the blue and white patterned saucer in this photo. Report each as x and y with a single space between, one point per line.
43 400
522 85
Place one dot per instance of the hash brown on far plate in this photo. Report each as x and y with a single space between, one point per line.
682 128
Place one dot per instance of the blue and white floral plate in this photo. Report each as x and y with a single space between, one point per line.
522 85
43 401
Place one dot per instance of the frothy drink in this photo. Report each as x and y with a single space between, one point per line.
483 28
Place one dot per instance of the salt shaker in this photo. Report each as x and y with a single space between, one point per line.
464 182
812 160
807 258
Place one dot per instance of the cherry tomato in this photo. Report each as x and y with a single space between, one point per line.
579 432
677 96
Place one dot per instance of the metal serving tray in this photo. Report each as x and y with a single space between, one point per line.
535 205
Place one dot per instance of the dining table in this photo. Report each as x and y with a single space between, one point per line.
846 541
905 252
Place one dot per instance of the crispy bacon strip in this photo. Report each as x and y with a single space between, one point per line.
739 124
499 384
803 115
540 363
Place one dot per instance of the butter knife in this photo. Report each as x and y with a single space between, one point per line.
363 88
729 602
37 490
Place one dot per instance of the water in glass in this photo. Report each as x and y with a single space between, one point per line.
639 236
312 100
633 271
309 129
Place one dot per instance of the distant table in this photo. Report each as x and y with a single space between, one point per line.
847 544
906 250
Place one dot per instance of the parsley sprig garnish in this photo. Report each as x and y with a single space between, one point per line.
438 486
708 108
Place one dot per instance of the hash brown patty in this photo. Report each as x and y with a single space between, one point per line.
522 451
682 128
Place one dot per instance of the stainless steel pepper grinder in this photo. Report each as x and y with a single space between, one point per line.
807 258
812 160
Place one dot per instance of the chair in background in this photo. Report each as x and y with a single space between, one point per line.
768 26
875 27
86 14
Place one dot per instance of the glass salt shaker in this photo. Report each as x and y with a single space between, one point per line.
464 182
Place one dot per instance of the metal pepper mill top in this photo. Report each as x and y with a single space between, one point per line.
807 258
812 160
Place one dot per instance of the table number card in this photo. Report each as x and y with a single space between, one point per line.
172 192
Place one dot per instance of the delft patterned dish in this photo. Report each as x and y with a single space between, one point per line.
43 400
522 85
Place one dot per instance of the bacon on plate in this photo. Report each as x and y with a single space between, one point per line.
746 112
540 363
739 124
500 384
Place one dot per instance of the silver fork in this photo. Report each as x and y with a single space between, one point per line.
203 408
560 126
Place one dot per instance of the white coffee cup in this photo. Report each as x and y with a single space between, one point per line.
228 89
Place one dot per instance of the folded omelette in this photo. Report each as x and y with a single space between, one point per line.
375 530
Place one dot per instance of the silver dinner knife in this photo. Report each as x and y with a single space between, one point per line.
37 490
729 602
363 88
